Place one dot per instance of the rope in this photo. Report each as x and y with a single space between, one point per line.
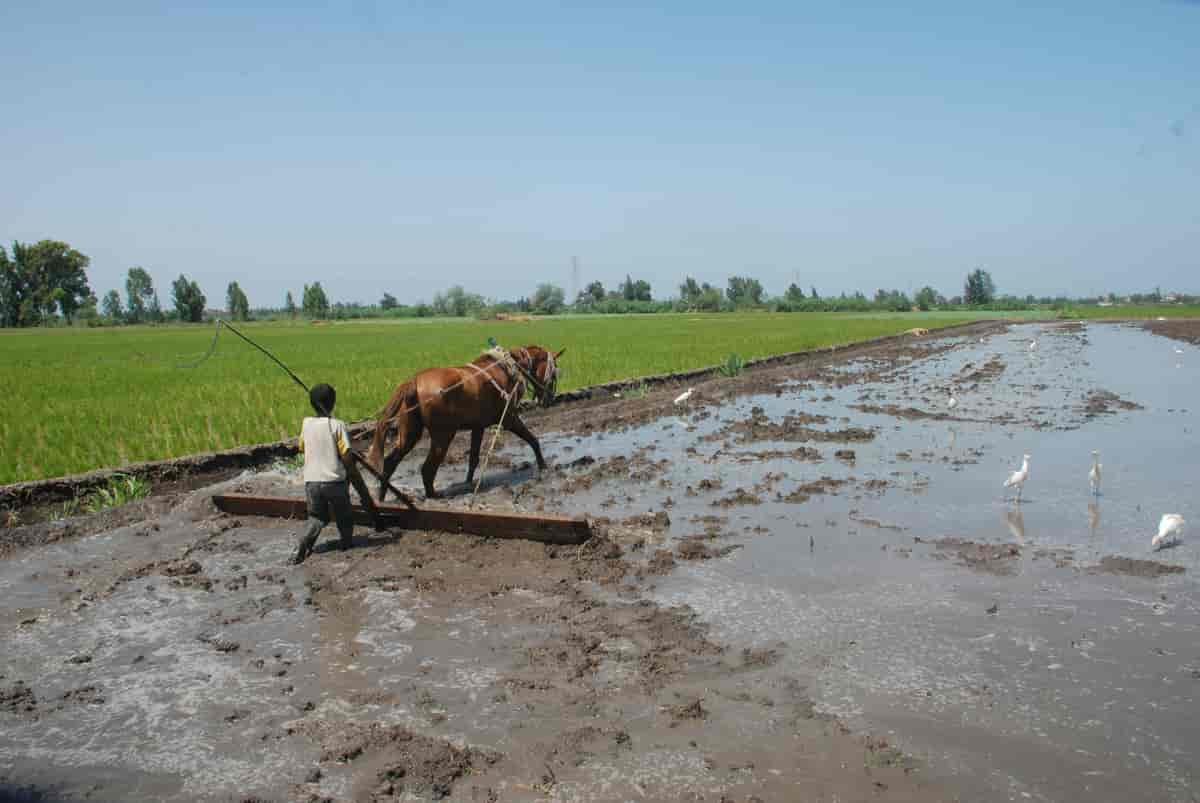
488 456
357 457
213 347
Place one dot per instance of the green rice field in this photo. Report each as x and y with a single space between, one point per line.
91 398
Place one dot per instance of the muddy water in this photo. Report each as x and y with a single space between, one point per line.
149 686
1081 683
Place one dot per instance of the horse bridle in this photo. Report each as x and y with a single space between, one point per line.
543 389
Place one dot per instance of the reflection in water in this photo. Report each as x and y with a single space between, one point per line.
1015 520
1093 517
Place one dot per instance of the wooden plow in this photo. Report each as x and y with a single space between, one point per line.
548 529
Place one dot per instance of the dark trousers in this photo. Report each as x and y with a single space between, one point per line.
323 497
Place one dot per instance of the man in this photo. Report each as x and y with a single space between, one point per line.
328 463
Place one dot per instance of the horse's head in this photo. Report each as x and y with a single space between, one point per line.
542 366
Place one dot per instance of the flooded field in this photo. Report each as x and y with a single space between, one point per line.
811 585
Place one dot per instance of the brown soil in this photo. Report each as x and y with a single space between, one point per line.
1133 567
1104 402
1185 329
580 650
990 558
758 427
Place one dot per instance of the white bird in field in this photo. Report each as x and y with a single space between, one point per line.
1179 351
953 402
1094 473
1033 345
683 397
1017 478
1170 531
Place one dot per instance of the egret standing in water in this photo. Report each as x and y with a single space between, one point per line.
1094 473
683 397
1033 345
953 401
1170 531
1017 478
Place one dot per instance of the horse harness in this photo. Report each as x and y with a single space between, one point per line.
511 366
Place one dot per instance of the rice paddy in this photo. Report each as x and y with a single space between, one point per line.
92 398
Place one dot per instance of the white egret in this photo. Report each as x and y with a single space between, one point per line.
683 397
1170 531
1179 351
953 401
1094 473
1017 478
1033 345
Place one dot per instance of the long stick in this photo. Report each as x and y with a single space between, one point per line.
357 457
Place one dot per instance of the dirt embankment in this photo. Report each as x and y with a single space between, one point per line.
1185 329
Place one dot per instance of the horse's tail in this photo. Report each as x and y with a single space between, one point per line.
399 412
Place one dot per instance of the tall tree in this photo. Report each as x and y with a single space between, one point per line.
794 294
41 280
314 302
110 306
289 305
548 299
188 300
743 291
139 293
927 298
236 302
388 301
60 273
592 294
12 287
979 288
689 291
635 290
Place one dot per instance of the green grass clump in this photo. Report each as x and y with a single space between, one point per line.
637 391
732 365
88 398
121 490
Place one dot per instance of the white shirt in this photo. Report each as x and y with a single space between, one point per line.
323 442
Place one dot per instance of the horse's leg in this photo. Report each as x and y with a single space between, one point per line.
405 441
476 444
439 443
516 426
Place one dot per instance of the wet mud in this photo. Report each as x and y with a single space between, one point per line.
808 583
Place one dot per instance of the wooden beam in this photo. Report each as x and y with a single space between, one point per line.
545 528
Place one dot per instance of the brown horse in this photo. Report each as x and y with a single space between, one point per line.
446 400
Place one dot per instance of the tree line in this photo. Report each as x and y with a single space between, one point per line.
46 282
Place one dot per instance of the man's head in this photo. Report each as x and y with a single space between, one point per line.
322 397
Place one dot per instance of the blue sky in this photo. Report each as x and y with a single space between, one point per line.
405 147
